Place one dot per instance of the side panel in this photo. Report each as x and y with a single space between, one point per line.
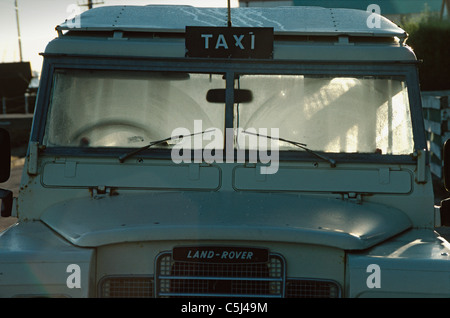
291 178
34 262
156 175
416 264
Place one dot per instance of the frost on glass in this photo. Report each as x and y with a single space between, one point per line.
331 114
131 109
128 109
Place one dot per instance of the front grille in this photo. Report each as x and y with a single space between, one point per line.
126 287
305 288
202 279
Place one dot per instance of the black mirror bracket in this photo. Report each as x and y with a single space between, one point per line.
5 155
445 212
446 164
6 197
445 204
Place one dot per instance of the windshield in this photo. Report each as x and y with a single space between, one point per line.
92 108
128 109
330 114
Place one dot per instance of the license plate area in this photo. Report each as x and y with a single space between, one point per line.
220 254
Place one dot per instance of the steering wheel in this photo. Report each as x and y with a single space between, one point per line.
110 132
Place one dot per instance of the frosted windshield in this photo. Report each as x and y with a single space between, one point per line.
330 114
327 113
128 109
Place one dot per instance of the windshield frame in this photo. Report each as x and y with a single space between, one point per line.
231 68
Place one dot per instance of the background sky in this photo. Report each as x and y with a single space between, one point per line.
38 19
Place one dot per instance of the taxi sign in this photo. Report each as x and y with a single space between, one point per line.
229 42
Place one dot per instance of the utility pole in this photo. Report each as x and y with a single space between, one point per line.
90 4
18 30
229 14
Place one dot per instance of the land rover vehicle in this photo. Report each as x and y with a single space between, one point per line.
142 178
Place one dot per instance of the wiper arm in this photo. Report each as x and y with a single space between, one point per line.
125 156
300 145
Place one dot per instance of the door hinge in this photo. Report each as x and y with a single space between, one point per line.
33 156
421 172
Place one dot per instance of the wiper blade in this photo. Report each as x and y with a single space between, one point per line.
125 156
300 145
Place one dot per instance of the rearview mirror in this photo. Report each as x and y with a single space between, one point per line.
219 96
5 155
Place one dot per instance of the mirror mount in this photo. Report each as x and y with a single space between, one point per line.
5 155
6 196
446 166
218 95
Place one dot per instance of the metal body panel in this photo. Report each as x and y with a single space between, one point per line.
153 176
415 264
324 180
282 50
232 216
35 262
417 204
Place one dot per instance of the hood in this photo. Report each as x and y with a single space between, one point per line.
276 217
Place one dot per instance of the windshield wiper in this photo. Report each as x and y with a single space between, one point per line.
125 156
300 145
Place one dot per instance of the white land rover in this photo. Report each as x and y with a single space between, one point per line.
178 152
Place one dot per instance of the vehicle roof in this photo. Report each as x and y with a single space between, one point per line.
300 33
292 20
